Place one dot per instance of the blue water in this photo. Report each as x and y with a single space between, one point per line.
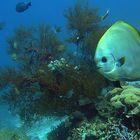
52 13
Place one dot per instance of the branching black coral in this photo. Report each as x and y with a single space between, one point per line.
82 18
33 45
83 22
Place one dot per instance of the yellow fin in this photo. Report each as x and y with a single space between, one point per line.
129 27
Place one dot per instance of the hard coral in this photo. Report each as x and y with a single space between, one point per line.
128 98
103 130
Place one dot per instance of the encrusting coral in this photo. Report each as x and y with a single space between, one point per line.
128 98
111 121
99 129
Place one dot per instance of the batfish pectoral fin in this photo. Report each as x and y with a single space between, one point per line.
121 61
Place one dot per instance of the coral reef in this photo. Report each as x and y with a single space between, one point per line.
50 80
59 133
59 81
46 79
8 75
102 130
8 134
127 99
107 123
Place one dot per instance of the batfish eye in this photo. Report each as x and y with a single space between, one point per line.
104 59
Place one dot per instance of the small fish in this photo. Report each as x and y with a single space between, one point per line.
22 6
68 95
17 91
61 48
14 56
15 45
2 25
117 55
57 29
77 37
41 71
105 15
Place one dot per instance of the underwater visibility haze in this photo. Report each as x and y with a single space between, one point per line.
69 70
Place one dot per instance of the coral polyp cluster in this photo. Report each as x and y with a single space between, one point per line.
117 117
57 64
127 98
